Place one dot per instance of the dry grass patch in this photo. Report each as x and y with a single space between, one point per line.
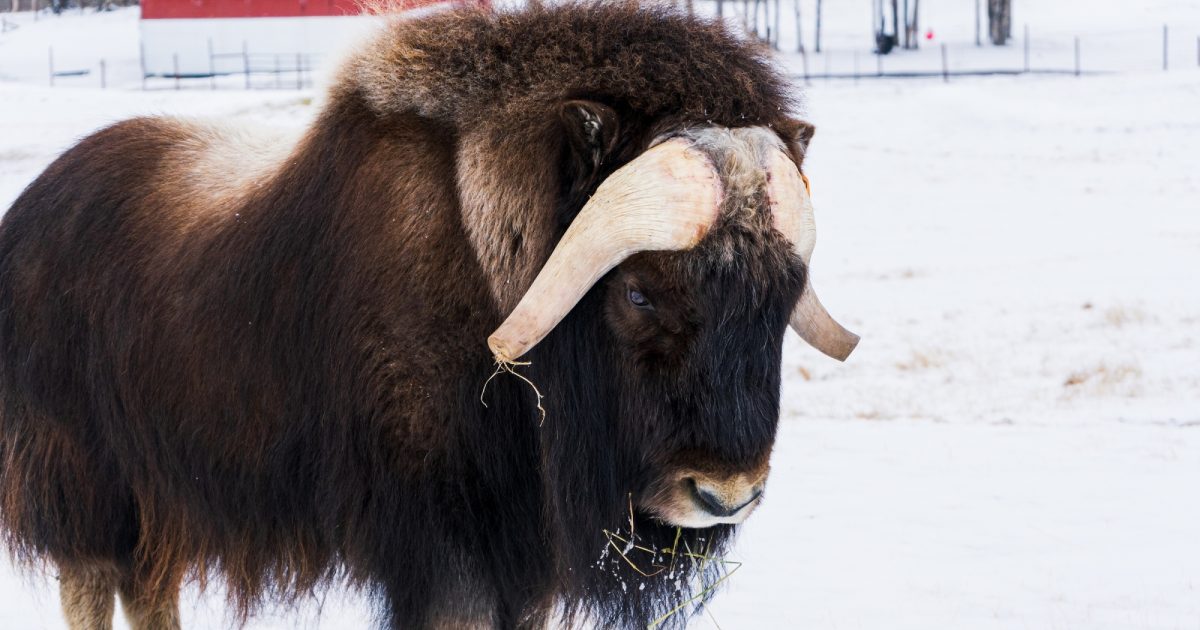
1104 380
922 360
1120 316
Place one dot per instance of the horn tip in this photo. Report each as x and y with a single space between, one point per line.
502 349
848 345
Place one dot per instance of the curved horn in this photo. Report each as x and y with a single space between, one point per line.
665 199
793 214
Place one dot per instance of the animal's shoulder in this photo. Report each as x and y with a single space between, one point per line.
227 155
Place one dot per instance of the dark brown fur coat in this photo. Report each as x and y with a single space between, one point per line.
223 354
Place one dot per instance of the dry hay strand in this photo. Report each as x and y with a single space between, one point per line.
507 366
629 545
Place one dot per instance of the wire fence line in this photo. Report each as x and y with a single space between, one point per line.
1126 50
59 6
241 69
1130 50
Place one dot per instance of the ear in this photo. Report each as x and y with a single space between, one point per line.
800 132
592 130
804 134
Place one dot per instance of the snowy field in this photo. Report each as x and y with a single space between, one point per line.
1015 444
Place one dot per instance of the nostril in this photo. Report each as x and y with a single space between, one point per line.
713 503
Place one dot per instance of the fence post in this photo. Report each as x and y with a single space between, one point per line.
945 65
246 62
175 61
804 60
878 64
856 67
1027 48
299 75
103 77
51 66
1077 55
978 40
1165 55
142 63
212 66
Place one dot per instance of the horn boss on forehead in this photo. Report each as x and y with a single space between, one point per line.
665 199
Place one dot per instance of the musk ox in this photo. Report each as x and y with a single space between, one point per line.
235 356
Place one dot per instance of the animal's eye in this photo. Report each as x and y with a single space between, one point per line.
637 299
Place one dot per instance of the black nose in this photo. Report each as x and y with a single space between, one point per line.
715 506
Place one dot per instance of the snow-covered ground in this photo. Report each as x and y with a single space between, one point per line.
1015 444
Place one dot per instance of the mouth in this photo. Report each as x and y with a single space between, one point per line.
694 505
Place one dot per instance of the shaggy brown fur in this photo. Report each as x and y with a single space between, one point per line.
499 80
219 357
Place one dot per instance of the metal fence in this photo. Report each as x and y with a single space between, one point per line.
241 69
58 6
1155 48
1158 48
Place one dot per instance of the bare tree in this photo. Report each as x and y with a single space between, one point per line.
817 43
978 40
885 42
1000 21
912 24
799 28
777 25
916 23
896 20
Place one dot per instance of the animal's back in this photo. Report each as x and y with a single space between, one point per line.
192 336
85 255
60 489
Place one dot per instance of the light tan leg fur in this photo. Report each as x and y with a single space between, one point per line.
149 613
88 595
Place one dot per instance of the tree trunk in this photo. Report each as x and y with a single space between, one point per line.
777 23
916 24
817 43
799 29
999 21
896 20
978 28
908 34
